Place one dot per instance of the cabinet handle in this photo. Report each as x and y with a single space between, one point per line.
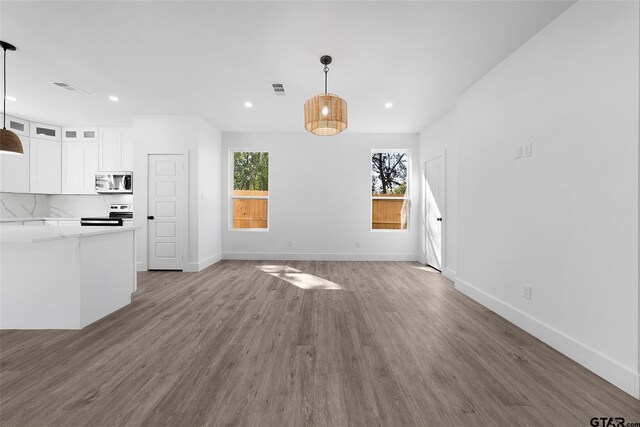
150 217
439 219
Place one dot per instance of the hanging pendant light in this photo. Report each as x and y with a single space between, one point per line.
325 114
9 141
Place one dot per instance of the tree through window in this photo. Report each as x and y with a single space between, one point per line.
250 196
389 181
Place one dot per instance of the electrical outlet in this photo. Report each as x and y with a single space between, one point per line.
526 292
357 244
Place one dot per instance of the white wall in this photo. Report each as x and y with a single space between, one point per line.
565 220
184 135
320 191
210 195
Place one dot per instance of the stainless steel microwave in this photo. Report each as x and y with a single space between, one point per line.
114 182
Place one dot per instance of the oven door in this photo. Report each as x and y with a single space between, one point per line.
101 222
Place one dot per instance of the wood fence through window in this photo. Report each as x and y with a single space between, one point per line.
250 213
389 213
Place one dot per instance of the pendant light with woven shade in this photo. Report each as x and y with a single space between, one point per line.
325 114
9 141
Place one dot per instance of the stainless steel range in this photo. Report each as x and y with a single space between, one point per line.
117 215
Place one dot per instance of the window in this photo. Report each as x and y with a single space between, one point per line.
250 190
389 184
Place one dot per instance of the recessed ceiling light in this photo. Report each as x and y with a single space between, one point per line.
10 98
248 104
388 105
114 98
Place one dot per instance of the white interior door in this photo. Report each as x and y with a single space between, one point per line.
166 212
434 206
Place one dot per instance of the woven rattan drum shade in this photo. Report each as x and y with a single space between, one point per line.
10 142
325 114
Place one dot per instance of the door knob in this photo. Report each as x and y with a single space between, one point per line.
150 217
439 219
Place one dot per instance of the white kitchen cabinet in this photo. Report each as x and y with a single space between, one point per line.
72 168
90 134
70 134
127 149
79 167
110 149
41 131
116 149
45 166
18 126
14 177
90 165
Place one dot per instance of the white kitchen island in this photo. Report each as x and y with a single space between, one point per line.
61 277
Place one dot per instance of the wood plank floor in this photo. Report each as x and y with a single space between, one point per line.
235 345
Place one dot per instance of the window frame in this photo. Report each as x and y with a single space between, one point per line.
406 197
232 197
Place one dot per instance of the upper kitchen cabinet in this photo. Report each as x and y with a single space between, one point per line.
14 177
18 126
45 166
40 131
116 149
90 167
127 149
72 170
80 134
79 167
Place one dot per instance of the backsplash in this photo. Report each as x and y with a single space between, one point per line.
78 206
16 205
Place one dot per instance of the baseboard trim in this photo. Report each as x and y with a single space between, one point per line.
618 375
194 267
449 274
293 256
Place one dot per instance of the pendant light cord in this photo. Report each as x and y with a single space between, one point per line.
4 91
326 71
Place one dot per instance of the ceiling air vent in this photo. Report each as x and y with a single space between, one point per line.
70 88
278 88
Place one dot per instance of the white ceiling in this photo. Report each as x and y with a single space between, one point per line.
208 58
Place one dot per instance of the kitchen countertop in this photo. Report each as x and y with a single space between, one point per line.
2 220
36 234
37 219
